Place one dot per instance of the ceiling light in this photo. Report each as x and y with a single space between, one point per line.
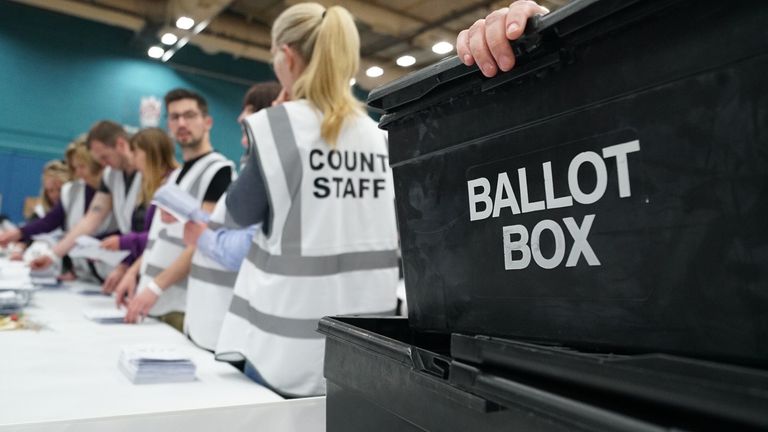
155 52
352 82
374 72
169 39
442 48
406 61
185 23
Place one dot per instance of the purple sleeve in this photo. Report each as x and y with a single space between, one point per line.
135 242
52 220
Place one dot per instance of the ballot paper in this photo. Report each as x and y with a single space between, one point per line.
148 364
14 275
107 315
176 201
90 248
52 238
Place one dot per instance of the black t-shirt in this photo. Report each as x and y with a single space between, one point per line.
219 183
127 179
137 218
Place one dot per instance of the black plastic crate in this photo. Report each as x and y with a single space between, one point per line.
381 376
642 127
684 393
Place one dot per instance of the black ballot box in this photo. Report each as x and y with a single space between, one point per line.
383 376
609 193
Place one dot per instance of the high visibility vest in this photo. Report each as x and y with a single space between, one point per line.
165 241
331 248
73 203
123 204
209 290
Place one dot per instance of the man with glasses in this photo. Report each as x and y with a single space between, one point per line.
205 175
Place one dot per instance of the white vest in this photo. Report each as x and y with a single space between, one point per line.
164 242
73 203
39 211
123 204
209 290
329 251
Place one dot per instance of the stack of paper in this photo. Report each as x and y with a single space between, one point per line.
45 277
148 364
108 315
14 275
176 201
90 248
13 300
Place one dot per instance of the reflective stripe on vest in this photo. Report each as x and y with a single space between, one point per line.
165 244
209 291
74 206
294 274
122 205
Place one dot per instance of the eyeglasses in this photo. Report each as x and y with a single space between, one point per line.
187 115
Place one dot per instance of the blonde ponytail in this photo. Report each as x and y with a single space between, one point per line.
329 44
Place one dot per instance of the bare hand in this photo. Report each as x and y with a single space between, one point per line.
486 42
41 263
192 232
139 307
111 243
67 277
167 217
125 289
110 283
10 236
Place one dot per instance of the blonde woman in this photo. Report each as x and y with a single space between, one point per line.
319 181
55 174
72 201
154 159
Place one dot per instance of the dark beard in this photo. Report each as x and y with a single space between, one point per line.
191 145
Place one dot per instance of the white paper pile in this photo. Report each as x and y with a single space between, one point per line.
149 364
107 315
15 275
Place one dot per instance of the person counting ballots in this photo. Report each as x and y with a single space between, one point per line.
75 198
205 174
154 158
221 246
316 253
116 197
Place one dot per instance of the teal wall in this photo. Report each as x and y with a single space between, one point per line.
60 74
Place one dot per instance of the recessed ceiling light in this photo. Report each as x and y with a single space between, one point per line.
169 38
442 48
155 52
374 72
406 61
185 23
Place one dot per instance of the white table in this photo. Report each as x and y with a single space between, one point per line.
65 378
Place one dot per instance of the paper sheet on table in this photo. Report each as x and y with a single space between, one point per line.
89 247
107 315
183 206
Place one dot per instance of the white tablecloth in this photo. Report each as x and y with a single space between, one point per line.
64 377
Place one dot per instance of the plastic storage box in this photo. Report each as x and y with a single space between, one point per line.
610 192
381 376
